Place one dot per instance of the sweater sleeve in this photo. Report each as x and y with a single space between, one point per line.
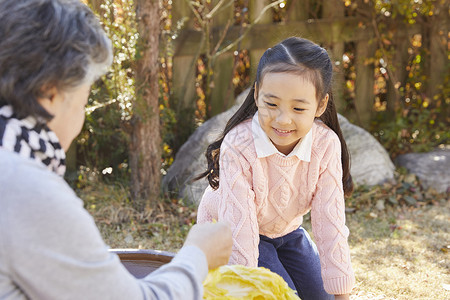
328 222
237 202
55 251
180 279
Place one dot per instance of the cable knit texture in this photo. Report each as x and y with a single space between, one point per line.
270 196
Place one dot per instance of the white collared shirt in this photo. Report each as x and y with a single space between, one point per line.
265 147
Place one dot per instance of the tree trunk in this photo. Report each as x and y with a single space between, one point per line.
145 146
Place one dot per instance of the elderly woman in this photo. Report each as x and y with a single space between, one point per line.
51 51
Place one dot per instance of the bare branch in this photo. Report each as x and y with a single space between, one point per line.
197 15
214 10
224 7
222 37
230 46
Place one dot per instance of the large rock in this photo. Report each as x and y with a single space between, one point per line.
370 163
190 160
432 168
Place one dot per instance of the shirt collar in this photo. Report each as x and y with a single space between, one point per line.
265 147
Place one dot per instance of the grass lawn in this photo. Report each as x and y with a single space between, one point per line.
399 235
401 253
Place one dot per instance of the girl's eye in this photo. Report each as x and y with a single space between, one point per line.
270 104
299 109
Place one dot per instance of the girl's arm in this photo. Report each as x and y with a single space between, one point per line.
328 221
342 297
237 203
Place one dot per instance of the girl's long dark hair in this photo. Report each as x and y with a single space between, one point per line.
293 55
330 118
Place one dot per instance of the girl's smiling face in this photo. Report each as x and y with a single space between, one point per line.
287 106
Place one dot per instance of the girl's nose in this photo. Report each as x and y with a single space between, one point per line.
283 118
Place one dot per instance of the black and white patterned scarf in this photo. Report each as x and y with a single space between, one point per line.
31 140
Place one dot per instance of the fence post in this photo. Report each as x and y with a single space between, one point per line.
398 63
364 82
298 10
221 97
438 59
255 8
334 9
180 10
183 66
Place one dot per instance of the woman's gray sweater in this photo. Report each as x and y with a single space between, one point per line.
50 247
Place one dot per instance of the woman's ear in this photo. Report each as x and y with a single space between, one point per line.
50 100
255 93
322 105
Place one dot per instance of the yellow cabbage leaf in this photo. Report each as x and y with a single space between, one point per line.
240 282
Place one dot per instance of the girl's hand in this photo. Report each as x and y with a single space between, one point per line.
342 297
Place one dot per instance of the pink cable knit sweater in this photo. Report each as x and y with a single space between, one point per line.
270 196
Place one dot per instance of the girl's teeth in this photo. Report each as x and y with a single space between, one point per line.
284 131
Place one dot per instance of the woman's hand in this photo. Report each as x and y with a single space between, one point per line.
214 240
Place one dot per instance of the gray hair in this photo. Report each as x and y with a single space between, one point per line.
45 44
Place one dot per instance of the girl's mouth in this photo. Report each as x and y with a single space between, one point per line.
282 132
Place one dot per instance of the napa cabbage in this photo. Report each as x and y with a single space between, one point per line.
240 282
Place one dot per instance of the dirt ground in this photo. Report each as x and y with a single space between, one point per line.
398 251
401 253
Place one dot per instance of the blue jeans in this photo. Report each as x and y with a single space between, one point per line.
295 258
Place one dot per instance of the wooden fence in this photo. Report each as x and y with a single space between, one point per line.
332 31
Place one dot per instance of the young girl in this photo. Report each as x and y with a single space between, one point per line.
281 155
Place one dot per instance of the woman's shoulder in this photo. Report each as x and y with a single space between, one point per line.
42 199
32 182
